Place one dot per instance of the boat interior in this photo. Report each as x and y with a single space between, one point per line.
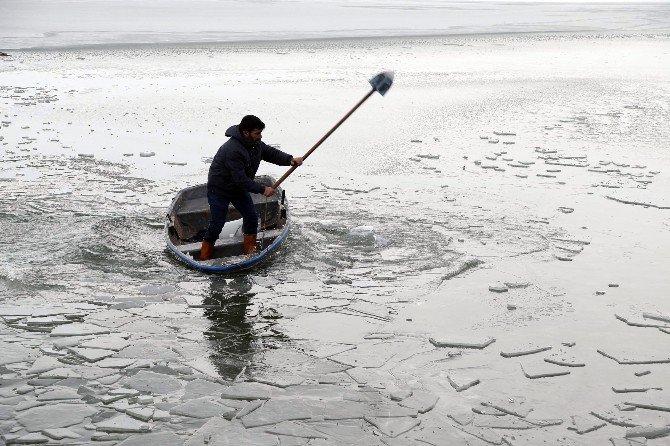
188 218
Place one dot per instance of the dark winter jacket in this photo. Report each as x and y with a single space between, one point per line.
236 162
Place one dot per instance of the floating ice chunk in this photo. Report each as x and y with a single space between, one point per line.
525 350
249 391
54 416
43 364
583 425
648 431
78 329
393 427
147 154
152 382
498 288
456 342
544 373
141 413
276 411
91 354
60 433
421 401
122 423
60 373
13 352
58 393
203 408
462 383
153 439
86 155
564 359
34 438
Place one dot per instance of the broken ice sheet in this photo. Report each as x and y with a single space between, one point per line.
461 383
511 406
54 416
483 433
147 350
60 433
461 342
78 329
635 358
393 427
91 354
523 350
58 393
153 439
584 424
294 429
43 364
502 423
201 387
615 418
278 379
657 316
368 355
565 359
203 408
156 383
111 342
276 411
249 391
122 423
421 400
14 352
535 372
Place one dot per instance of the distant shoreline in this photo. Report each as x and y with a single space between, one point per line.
592 33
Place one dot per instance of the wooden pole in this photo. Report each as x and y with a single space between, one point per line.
314 147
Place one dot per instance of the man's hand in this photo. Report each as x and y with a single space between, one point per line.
269 191
297 161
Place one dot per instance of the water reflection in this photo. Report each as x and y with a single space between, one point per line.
231 333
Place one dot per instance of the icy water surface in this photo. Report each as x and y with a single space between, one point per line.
508 188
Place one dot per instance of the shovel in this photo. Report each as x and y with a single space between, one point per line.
381 83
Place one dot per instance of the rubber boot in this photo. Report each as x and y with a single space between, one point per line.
207 250
249 243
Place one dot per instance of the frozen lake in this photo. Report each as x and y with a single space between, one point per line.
510 187
63 23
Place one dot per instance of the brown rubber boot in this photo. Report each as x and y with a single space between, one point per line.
207 250
249 243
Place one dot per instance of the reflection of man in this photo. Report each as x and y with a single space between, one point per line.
231 180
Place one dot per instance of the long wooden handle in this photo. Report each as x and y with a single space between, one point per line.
314 147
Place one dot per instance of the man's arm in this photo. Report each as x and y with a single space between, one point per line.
235 164
275 156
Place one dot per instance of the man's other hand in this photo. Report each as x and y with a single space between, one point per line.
297 161
269 191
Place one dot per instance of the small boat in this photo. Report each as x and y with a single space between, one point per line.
188 217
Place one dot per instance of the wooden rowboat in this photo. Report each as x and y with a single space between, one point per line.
188 216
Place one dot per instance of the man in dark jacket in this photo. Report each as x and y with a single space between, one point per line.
231 180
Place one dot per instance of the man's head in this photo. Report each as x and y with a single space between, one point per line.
251 128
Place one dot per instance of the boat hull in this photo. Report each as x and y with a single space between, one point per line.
187 219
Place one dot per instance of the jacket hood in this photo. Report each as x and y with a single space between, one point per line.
234 132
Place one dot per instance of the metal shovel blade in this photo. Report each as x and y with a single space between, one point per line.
382 82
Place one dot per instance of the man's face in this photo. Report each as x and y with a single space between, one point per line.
254 136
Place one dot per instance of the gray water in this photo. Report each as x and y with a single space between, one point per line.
402 220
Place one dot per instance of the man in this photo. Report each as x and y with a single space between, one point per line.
231 180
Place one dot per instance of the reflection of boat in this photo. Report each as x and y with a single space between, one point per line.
188 216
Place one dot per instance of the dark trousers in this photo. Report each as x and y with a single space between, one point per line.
218 206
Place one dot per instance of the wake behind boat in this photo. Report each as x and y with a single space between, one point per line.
188 216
